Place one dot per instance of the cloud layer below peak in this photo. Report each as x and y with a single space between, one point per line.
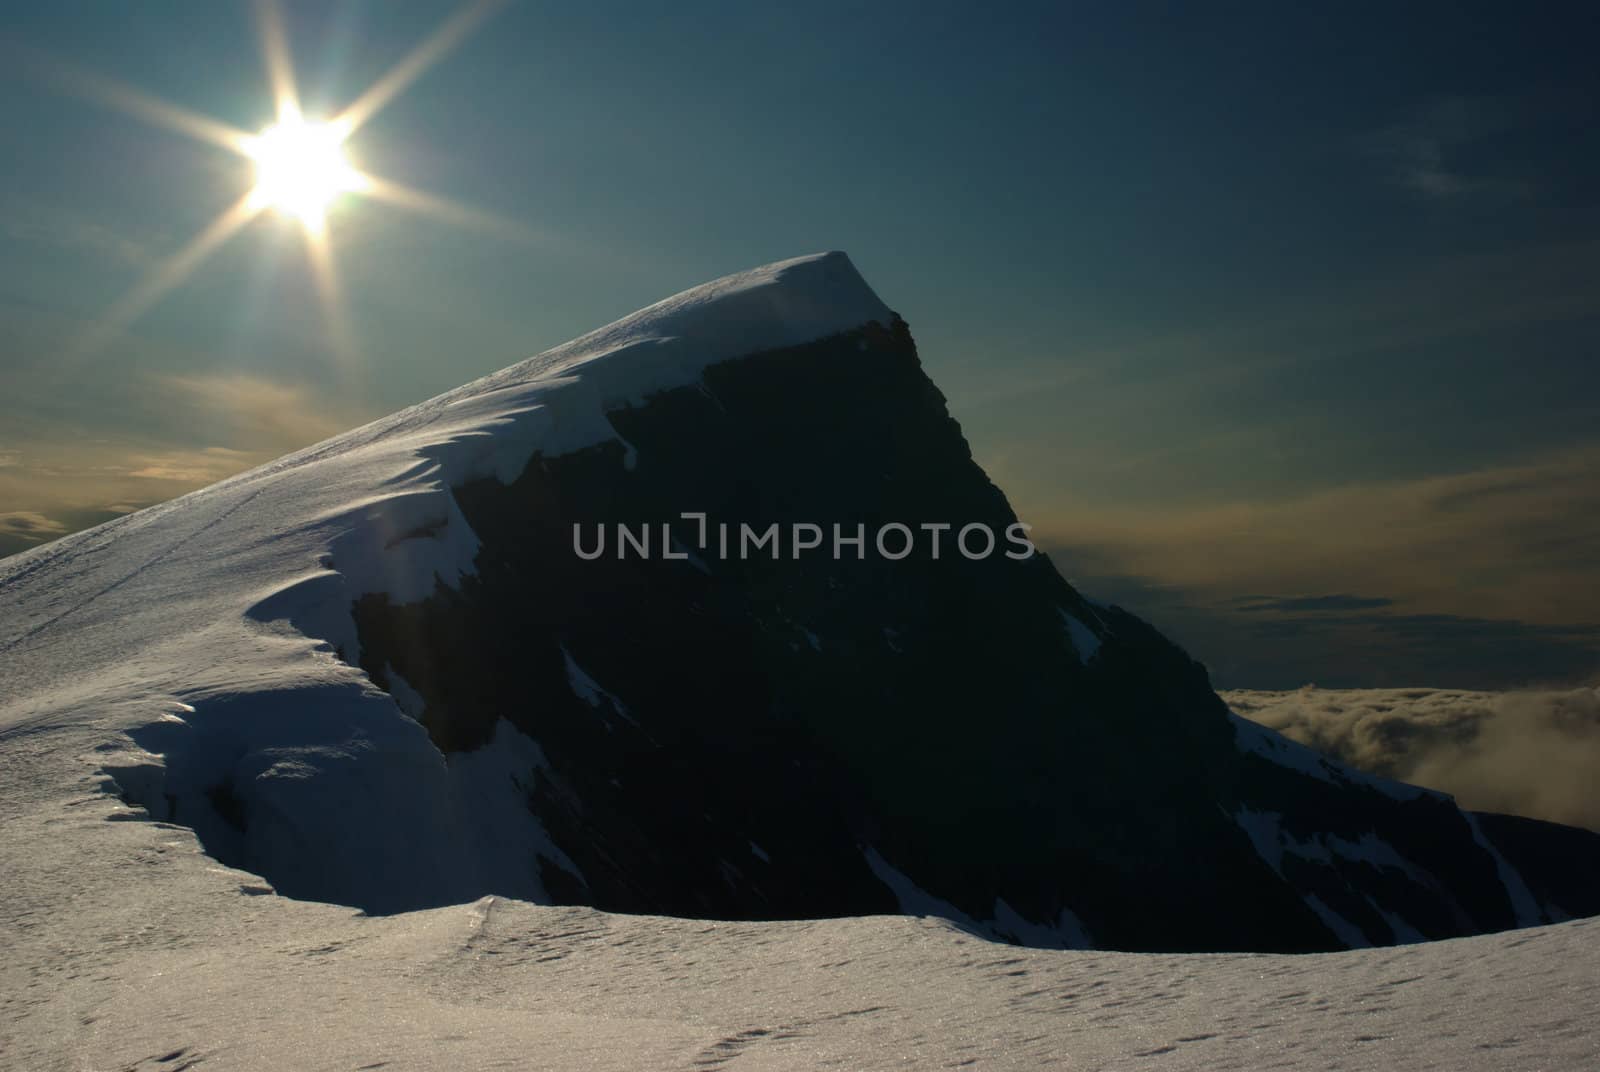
1531 752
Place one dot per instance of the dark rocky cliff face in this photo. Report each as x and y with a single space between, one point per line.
764 738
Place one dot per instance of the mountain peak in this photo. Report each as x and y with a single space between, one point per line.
386 672
785 303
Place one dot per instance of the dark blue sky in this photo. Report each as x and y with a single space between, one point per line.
1232 299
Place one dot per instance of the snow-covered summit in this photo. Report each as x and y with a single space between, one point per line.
553 402
214 628
782 304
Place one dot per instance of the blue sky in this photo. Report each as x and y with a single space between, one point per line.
1235 302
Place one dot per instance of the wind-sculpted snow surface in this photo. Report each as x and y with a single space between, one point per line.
122 946
377 673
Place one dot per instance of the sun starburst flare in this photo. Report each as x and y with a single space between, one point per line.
301 168
301 164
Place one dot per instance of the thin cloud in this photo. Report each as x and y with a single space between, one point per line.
30 525
1479 579
41 226
1275 649
65 479
1453 298
199 467
1502 542
1294 604
1431 152
227 423
252 413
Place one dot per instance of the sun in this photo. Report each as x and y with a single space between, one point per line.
301 168
300 164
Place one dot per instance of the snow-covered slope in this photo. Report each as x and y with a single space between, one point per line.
363 672
169 629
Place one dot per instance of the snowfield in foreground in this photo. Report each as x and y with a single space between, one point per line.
123 947
203 633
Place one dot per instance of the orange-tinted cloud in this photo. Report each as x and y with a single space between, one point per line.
30 525
51 486
1511 541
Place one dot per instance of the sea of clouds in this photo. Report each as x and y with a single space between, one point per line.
1532 752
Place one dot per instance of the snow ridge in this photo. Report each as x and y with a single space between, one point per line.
204 604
